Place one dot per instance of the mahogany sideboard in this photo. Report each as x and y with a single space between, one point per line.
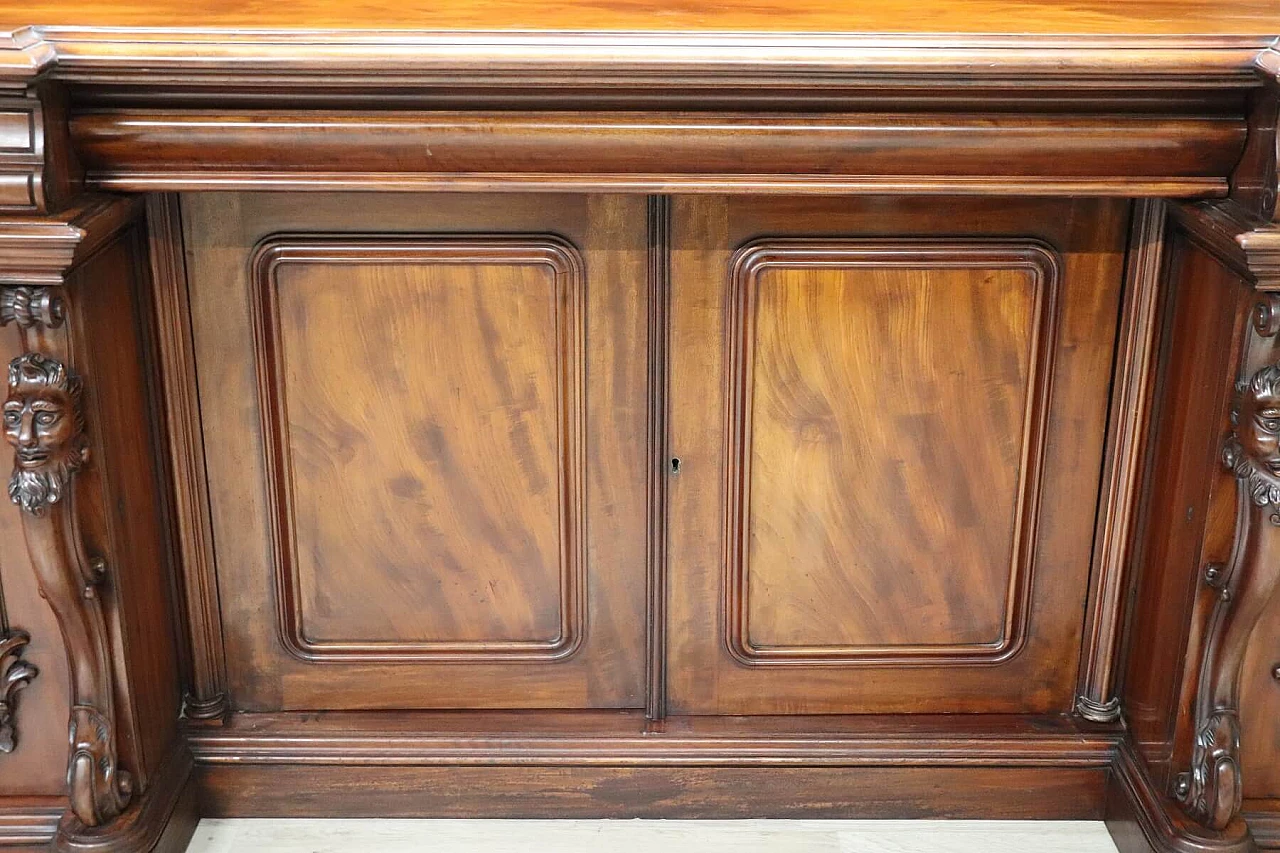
589 408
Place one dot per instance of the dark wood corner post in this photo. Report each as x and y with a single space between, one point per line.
1210 789
44 422
1189 520
80 416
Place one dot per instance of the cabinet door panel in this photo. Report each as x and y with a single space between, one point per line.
403 519
898 446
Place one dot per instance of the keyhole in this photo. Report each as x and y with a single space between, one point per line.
675 465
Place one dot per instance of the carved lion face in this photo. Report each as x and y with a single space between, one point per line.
1258 419
42 422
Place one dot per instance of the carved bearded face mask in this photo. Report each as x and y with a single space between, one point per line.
1258 419
42 423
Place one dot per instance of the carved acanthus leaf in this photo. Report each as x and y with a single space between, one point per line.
1211 791
99 789
17 674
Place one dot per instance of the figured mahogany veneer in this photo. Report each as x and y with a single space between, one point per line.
439 470
572 408
795 305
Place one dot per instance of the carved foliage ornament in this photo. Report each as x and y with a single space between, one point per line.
30 307
1211 790
15 673
44 424
1253 450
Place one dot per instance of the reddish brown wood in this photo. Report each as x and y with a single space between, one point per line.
1131 393
659 461
502 559
1248 17
787 462
654 792
840 411
207 698
495 502
1195 360
1059 155
492 448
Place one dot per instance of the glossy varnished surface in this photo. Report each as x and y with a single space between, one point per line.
936 16
881 500
424 402
923 580
444 503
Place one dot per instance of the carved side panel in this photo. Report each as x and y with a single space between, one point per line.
1211 791
44 422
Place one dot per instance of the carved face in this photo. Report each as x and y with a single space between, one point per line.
39 426
1258 419
42 423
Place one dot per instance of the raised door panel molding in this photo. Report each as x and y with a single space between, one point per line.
925 550
422 403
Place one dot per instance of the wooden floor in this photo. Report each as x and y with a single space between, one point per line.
646 836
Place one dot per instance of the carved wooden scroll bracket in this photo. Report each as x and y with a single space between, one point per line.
1211 792
44 423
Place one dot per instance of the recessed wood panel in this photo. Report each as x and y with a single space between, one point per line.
890 416
425 429
887 403
421 403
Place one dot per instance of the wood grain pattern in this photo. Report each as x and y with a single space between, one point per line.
1249 17
703 675
1136 351
423 403
658 460
945 455
246 790
869 152
207 697
1171 548
441 309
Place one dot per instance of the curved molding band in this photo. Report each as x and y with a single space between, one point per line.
17 674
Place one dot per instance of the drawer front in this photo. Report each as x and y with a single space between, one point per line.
889 416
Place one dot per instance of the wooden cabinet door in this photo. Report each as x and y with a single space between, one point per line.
424 418
889 415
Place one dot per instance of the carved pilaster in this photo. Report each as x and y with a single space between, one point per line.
1211 792
15 674
44 423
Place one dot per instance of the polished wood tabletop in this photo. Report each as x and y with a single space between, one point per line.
1042 17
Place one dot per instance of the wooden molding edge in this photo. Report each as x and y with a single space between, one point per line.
1236 237
216 56
24 56
1126 447
162 820
207 696
41 251
1265 826
1142 819
575 739
30 822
